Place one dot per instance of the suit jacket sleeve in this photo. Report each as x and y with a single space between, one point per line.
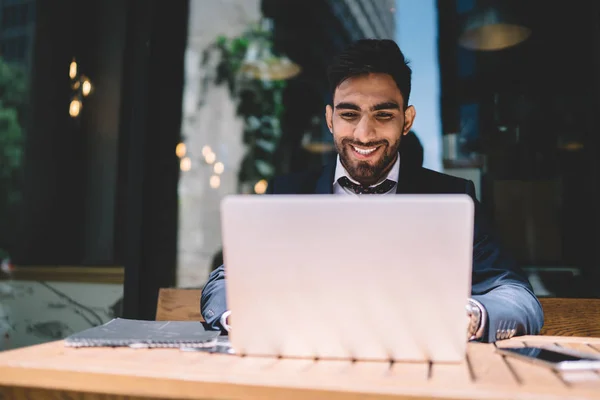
500 285
213 302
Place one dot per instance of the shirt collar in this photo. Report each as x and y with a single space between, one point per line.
392 174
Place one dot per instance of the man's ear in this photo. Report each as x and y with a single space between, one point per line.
329 117
409 118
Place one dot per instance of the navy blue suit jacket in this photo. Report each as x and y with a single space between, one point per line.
497 282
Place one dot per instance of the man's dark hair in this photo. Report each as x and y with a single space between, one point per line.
371 56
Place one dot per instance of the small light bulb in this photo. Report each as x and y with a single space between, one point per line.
180 150
74 108
219 168
260 187
86 87
73 70
185 164
215 181
206 150
210 158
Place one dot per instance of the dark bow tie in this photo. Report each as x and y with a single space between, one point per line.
383 187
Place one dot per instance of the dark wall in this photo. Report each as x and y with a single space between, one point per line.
543 85
50 228
71 166
101 189
103 55
593 18
537 123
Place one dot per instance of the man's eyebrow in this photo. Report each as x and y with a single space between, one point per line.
388 105
347 106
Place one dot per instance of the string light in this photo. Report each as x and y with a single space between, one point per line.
185 164
81 86
180 150
260 187
206 150
210 158
215 181
73 69
86 87
74 108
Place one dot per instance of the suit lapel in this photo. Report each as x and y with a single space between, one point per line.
407 178
325 182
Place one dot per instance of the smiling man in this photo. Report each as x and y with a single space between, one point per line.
368 118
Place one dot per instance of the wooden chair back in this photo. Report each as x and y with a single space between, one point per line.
563 317
571 317
179 305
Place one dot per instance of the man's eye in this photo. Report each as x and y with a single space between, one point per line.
384 116
348 115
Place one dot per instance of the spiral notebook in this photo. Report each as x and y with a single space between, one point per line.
121 332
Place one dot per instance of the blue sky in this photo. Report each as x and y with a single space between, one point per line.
416 34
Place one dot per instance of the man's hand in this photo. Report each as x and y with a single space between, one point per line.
468 325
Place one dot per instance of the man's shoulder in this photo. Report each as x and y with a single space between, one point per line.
440 182
303 182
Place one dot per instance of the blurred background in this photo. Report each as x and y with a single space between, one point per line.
123 123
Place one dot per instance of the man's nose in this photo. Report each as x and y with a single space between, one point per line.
365 130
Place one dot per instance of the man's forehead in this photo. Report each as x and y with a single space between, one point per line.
368 90
367 101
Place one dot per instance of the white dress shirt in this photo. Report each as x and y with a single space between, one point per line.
223 320
341 171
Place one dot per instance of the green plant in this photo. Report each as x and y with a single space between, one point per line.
13 92
13 100
260 103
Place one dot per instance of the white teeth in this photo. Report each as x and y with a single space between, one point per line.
364 152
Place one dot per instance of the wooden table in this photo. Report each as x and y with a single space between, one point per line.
51 371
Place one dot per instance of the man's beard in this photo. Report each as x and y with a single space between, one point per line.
362 171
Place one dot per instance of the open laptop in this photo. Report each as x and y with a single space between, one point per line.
344 277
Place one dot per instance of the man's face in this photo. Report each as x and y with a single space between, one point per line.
367 120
